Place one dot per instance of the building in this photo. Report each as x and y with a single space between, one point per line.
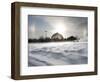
57 37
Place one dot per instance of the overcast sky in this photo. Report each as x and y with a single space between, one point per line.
67 26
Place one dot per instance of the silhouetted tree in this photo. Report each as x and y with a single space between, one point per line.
41 39
47 39
72 38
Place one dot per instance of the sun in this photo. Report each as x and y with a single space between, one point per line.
60 28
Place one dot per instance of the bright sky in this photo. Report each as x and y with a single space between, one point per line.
67 26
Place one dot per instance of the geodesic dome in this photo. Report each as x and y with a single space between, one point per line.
57 36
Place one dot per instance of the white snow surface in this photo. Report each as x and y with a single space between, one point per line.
57 53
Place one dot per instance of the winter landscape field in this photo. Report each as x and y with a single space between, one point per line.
57 53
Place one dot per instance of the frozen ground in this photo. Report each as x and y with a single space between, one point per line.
57 53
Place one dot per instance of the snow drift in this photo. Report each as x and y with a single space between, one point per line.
57 53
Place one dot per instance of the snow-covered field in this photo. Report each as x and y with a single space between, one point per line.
57 53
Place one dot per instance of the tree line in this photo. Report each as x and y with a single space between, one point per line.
48 39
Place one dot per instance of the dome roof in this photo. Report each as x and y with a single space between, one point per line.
57 36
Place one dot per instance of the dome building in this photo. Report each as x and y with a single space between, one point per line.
57 37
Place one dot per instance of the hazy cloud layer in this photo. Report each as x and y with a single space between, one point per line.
37 25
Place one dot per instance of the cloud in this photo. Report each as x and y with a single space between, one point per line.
39 24
31 31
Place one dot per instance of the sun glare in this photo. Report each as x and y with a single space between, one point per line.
60 28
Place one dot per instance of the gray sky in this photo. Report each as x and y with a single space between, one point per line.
67 26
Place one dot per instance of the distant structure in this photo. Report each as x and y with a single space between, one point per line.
57 37
45 34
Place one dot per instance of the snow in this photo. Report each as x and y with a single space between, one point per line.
57 53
